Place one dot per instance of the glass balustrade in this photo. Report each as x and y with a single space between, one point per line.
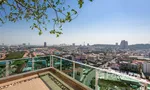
2 69
96 78
18 66
67 67
85 75
92 77
56 62
41 62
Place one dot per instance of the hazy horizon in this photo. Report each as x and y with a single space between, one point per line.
99 22
69 44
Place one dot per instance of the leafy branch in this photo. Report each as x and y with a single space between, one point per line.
37 11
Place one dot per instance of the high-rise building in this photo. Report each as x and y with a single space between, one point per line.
73 44
28 44
88 44
124 44
116 44
45 45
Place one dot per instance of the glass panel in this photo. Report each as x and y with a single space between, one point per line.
48 61
20 66
67 67
41 62
56 62
109 81
2 69
85 75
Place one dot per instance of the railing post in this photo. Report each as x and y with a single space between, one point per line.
32 64
50 65
96 79
73 70
60 64
7 69
52 58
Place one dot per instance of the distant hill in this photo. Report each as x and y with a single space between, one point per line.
135 46
104 45
139 46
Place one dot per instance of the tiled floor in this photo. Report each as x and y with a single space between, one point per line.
34 84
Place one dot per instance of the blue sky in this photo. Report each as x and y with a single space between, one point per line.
99 22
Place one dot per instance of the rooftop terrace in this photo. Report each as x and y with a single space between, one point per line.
56 73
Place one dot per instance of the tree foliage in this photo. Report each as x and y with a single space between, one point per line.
37 11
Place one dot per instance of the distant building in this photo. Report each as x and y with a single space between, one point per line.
88 44
124 44
115 66
126 66
73 44
92 58
146 68
83 49
24 44
45 44
116 44
28 44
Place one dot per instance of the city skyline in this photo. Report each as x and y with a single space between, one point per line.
104 22
76 44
